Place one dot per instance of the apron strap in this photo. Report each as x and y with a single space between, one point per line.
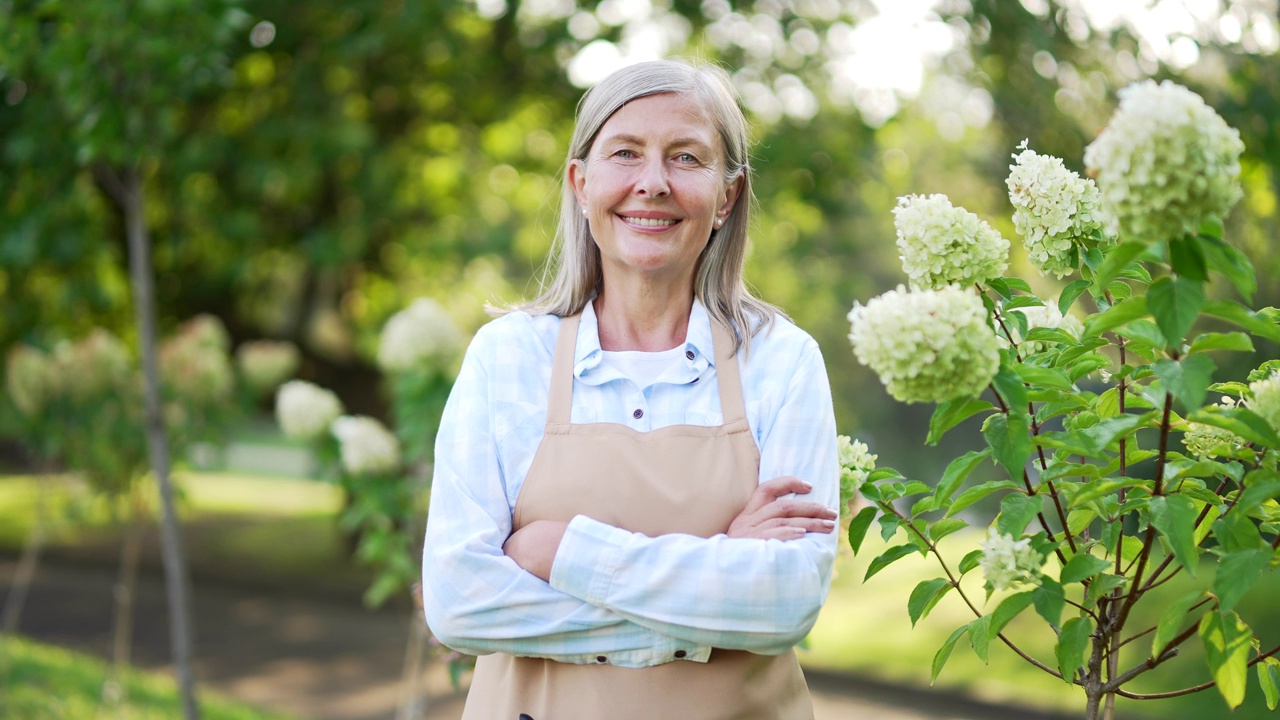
560 400
732 406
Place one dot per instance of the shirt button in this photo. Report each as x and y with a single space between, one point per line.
637 414
602 659
688 354
680 654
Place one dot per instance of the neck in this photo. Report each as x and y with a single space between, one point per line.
642 317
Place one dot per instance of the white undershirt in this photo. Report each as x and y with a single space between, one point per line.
644 368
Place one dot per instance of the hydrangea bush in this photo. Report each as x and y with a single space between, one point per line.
1083 400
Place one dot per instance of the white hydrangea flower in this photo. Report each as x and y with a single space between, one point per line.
97 363
926 345
264 364
940 244
207 331
1203 440
1041 316
856 463
1006 561
367 447
1054 210
422 333
1165 163
194 367
1264 399
30 379
305 410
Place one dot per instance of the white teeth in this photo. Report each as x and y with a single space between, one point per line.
649 222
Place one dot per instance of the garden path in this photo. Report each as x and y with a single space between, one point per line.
325 658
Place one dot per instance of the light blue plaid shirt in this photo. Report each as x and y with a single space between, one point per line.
632 599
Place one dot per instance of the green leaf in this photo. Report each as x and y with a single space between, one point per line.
1233 264
1237 573
951 413
887 558
858 527
1117 258
1239 420
1114 316
1269 679
1186 255
1008 609
970 561
1081 567
1010 387
959 469
1009 440
1236 313
1001 287
1073 644
1173 620
976 493
1047 377
979 638
1049 335
1226 647
1101 435
944 652
1049 600
1237 341
1186 379
1016 510
945 527
1101 586
1070 293
1175 303
925 596
1258 491
1175 517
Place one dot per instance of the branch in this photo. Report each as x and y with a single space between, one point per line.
111 183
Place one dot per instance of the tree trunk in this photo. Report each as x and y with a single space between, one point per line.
30 560
116 690
140 272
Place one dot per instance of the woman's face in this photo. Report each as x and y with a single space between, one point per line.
653 187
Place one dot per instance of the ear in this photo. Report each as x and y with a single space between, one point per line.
577 172
731 193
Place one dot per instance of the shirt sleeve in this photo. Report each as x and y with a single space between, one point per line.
733 593
476 599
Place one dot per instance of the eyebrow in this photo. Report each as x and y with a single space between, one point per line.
636 140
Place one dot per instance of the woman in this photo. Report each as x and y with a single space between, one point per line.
599 529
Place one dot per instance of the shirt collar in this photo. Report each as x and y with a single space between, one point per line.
587 353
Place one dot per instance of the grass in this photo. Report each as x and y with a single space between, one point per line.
40 682
864 628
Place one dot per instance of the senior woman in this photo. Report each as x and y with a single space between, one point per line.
632 512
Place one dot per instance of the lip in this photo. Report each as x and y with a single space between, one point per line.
629 219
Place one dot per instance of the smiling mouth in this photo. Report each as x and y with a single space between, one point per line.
648 222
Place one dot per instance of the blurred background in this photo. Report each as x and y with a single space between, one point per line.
311 169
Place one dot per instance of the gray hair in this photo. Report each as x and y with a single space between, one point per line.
573 276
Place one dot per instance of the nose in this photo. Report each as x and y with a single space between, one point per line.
652 180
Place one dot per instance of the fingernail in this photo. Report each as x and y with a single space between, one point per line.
828 524
806 486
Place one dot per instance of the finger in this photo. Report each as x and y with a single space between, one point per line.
796 509
807 524
770 490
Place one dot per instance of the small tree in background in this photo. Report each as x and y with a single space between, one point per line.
1100 506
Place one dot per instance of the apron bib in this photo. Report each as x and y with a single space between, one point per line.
678 479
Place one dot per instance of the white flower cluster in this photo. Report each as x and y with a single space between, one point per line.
1165 163
421 334
1054 210
1264 399
941 244
96 364
926 345
194 364
367 447
30 379
1042 316
1006 561
305 410
264 364
856 463
1203 441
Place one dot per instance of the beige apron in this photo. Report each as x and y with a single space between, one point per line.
677 479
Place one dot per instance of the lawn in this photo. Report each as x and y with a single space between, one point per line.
40 682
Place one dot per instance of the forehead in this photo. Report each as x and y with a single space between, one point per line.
662 118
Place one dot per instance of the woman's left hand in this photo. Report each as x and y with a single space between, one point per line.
534 546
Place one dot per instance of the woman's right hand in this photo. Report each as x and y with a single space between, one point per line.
768 515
